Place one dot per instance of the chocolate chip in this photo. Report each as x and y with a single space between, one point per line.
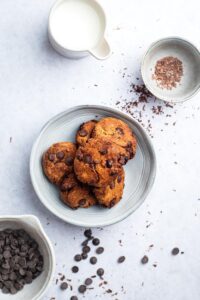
80 156
51 157
112 202
119 178
100 272
82 202
69 160
129 144
109 163
82 289
83 133
144 260
88 233
121 259
93 260
95 242
88 281
114 173
75 269
5 290
84 243
77 257
120 130
13 290
6 254
86 249
88 159
60 155
100 250
103 151
22 272
66 185
64 286
112 185
175 251
123 160
74 298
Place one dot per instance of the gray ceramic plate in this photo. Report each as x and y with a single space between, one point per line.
140 171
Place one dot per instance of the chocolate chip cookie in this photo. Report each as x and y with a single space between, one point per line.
84 132
96 163
75 194
111 194
58 161
117 132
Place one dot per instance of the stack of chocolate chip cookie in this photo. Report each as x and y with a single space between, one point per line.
91 171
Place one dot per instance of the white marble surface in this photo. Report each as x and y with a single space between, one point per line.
36 83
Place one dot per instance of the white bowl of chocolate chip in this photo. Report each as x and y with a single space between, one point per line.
171 69
26 258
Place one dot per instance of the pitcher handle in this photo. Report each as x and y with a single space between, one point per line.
102 50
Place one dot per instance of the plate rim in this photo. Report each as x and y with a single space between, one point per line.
120 114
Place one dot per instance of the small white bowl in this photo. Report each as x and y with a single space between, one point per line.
190 57
32 226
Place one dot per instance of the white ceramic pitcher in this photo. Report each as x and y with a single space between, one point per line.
77 27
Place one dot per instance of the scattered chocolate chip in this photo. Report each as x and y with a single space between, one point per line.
86 249
93 260
64 286
51 156
100 250
60 155
84 255
69 160
109 163
121 259
74 298
75 269
175 251
77 257
84 243
83 132
95 242
144 260
88 233
82 289
88 281
100 272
